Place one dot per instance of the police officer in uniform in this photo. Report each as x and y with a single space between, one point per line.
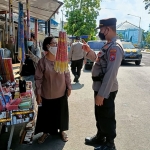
105 85
76 55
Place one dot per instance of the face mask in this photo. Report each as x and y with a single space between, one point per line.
53 50
30 43
101 36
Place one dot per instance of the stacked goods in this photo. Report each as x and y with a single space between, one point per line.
61 64
6 71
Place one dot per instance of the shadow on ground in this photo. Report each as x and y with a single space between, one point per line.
77 86
126 64
51 143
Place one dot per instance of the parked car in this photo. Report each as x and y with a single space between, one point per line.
131 54
96 46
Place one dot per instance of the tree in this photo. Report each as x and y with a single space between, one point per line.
82 15
147 4
148 38
120 35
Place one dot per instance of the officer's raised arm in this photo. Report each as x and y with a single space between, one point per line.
90 53
114 55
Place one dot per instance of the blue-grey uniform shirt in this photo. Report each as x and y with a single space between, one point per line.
109 59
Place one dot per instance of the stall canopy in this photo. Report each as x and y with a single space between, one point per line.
39 9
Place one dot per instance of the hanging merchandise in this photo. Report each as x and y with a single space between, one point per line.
61 64
6 71
28 19
11 23
21 52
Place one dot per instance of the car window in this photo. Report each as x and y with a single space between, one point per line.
127 46
96 46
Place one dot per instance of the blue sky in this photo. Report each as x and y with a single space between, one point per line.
120 9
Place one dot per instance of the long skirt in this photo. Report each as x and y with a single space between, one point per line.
53 115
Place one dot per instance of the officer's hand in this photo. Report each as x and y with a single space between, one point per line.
85 46
99 100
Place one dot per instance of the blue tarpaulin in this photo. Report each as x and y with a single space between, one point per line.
53 22
82 37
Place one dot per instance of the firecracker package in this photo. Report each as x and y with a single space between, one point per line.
61 63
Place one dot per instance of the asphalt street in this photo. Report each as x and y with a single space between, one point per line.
132 113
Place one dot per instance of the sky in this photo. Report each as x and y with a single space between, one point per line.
120 10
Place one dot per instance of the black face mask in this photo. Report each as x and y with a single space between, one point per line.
101 36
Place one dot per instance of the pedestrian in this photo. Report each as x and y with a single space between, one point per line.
27 70
105 85
52 91
76 56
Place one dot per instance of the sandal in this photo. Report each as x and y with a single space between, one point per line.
64 136
43 138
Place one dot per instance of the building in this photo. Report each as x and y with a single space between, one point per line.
130 32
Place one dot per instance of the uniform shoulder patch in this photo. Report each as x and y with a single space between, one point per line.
112 55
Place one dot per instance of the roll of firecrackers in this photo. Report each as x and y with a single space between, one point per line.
6 70
61 63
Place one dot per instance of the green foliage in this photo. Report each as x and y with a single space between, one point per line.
147 4
82 15
148 38
120 36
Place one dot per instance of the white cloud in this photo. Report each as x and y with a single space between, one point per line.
120 9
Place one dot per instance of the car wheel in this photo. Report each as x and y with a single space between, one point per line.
87 67
137 62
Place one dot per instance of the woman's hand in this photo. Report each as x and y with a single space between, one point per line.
68 92
39 99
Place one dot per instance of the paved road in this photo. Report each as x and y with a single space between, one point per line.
132 114
146 59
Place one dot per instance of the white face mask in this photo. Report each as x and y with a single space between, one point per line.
30 43
53 50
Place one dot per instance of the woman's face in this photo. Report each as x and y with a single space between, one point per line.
52 47
53 43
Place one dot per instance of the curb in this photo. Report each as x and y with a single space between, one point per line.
145 52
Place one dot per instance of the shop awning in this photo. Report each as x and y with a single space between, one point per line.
53 22
39 9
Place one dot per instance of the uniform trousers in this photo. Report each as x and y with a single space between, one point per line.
76 66
105 118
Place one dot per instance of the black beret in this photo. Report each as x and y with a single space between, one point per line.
77 37
107 22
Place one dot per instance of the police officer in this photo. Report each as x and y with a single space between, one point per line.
105 85
76 55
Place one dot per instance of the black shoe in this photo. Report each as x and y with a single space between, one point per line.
105 147
76 78
94 140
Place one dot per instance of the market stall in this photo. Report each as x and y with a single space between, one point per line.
17 103
18 106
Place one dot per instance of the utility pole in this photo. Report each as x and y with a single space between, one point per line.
139 28
62 20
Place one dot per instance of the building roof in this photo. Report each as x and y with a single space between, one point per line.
39 9
126 25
